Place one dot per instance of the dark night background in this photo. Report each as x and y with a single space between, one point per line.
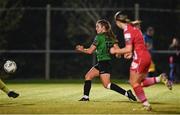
23 27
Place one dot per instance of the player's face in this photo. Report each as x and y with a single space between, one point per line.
119 24
151 32
99 28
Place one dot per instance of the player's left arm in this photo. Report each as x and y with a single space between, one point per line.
126 55
116 46
126 49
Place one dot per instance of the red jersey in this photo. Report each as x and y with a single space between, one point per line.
141 57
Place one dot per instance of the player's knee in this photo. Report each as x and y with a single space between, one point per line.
107 86
88 77
132 82
135 84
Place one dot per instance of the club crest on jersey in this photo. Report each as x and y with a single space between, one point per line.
127 36
134 65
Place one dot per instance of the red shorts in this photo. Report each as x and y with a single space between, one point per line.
141 64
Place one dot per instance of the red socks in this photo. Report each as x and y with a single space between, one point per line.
140 93
148 82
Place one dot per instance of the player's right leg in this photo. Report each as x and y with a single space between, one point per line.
4 88
105 78
135 81
93 72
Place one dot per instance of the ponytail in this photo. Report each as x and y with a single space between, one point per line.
111 35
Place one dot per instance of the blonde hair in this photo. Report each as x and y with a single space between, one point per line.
136 22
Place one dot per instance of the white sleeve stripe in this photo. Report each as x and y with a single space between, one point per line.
127 35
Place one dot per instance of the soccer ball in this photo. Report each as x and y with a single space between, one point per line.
10 66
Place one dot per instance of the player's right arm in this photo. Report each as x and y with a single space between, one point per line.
127 49
128 55
89 50
149 45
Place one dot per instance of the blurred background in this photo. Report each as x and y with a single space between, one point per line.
40 35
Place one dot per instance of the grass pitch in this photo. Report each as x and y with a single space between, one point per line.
62 97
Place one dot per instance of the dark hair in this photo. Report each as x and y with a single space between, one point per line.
150 28
121 16
107 26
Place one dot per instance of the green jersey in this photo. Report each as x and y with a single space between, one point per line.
103 45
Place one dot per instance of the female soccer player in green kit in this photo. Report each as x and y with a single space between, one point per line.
104 40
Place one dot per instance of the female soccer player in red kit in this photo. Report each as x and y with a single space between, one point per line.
141 59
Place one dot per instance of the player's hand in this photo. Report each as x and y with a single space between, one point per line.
118 55
128 55
79 48
112 50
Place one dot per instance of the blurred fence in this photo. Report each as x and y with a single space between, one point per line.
43 43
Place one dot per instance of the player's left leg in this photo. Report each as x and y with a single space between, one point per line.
153 80
105 78
149 81
164 79
5 89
